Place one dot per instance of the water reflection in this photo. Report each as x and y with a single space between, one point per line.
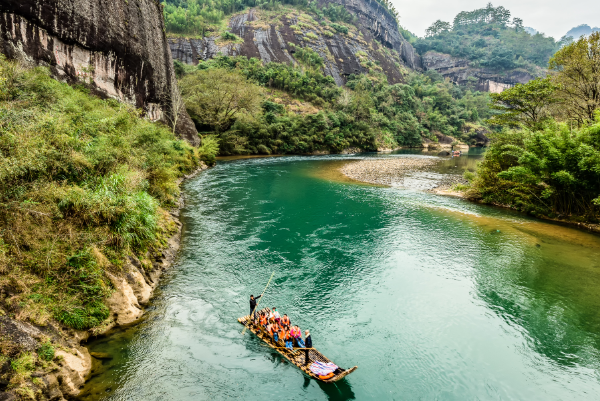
432 297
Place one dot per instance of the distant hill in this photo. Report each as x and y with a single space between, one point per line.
581 30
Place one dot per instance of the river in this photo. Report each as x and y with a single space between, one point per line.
433 297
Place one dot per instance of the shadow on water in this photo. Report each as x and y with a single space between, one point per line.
338 391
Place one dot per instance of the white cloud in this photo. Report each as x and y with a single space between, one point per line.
552 17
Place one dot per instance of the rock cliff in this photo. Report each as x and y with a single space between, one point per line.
375 42
118 47
461 72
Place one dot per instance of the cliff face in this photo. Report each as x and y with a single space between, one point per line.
374 43
461 72
118 47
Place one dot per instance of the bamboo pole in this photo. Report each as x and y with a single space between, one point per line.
258 303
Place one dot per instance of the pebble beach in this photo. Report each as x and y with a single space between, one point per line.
386 171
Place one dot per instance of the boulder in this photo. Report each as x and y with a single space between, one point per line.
76 368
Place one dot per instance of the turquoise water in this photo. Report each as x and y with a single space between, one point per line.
433 298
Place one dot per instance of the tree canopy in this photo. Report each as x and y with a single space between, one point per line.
489 38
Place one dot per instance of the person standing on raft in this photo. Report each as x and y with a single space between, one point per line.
253 303
308 344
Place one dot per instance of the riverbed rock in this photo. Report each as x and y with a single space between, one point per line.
101 355
76 367
123 303
388 171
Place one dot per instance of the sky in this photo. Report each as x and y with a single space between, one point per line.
552 17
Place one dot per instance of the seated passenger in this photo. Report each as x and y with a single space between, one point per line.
276 316
275 332
285 320
287 338
263 319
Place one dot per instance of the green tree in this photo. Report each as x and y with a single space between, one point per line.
524 104
215 97
577 68
438 27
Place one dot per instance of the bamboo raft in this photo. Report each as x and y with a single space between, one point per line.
298 356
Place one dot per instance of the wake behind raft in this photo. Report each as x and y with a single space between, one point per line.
316 359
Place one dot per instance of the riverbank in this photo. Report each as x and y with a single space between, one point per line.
69 364
393 172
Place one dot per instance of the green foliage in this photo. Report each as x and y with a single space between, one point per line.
576 69
230 36
216 97
485 37
552 172
370 114
524 104
82 184
46 351
307 56
84 317
339 28
202 17
24 364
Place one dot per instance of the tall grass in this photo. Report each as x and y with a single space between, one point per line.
83 183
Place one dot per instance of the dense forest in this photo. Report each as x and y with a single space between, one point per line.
546 160
368 113
489 38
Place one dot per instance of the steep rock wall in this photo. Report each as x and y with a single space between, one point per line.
376 43
461 72
117 47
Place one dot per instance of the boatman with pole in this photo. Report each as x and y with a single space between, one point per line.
253 304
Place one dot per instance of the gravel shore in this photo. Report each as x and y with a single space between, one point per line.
386 171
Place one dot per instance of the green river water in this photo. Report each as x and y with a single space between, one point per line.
434 298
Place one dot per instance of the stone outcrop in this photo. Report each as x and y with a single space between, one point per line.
117 47
375 44
461 72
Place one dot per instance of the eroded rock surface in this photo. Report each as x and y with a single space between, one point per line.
461 72
117 47
377 43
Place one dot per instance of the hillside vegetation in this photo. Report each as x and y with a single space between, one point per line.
199 18
84 182
368 113
489 39
546 161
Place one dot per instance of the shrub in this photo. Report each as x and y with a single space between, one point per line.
46 351
230 36
339 28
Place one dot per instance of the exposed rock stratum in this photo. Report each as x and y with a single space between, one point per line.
118 47
375 43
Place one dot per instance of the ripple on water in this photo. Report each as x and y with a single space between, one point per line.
433 297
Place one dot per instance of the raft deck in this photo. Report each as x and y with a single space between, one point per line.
298 356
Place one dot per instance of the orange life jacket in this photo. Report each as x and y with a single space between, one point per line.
285 320
263 320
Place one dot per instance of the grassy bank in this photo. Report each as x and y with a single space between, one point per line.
84 182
